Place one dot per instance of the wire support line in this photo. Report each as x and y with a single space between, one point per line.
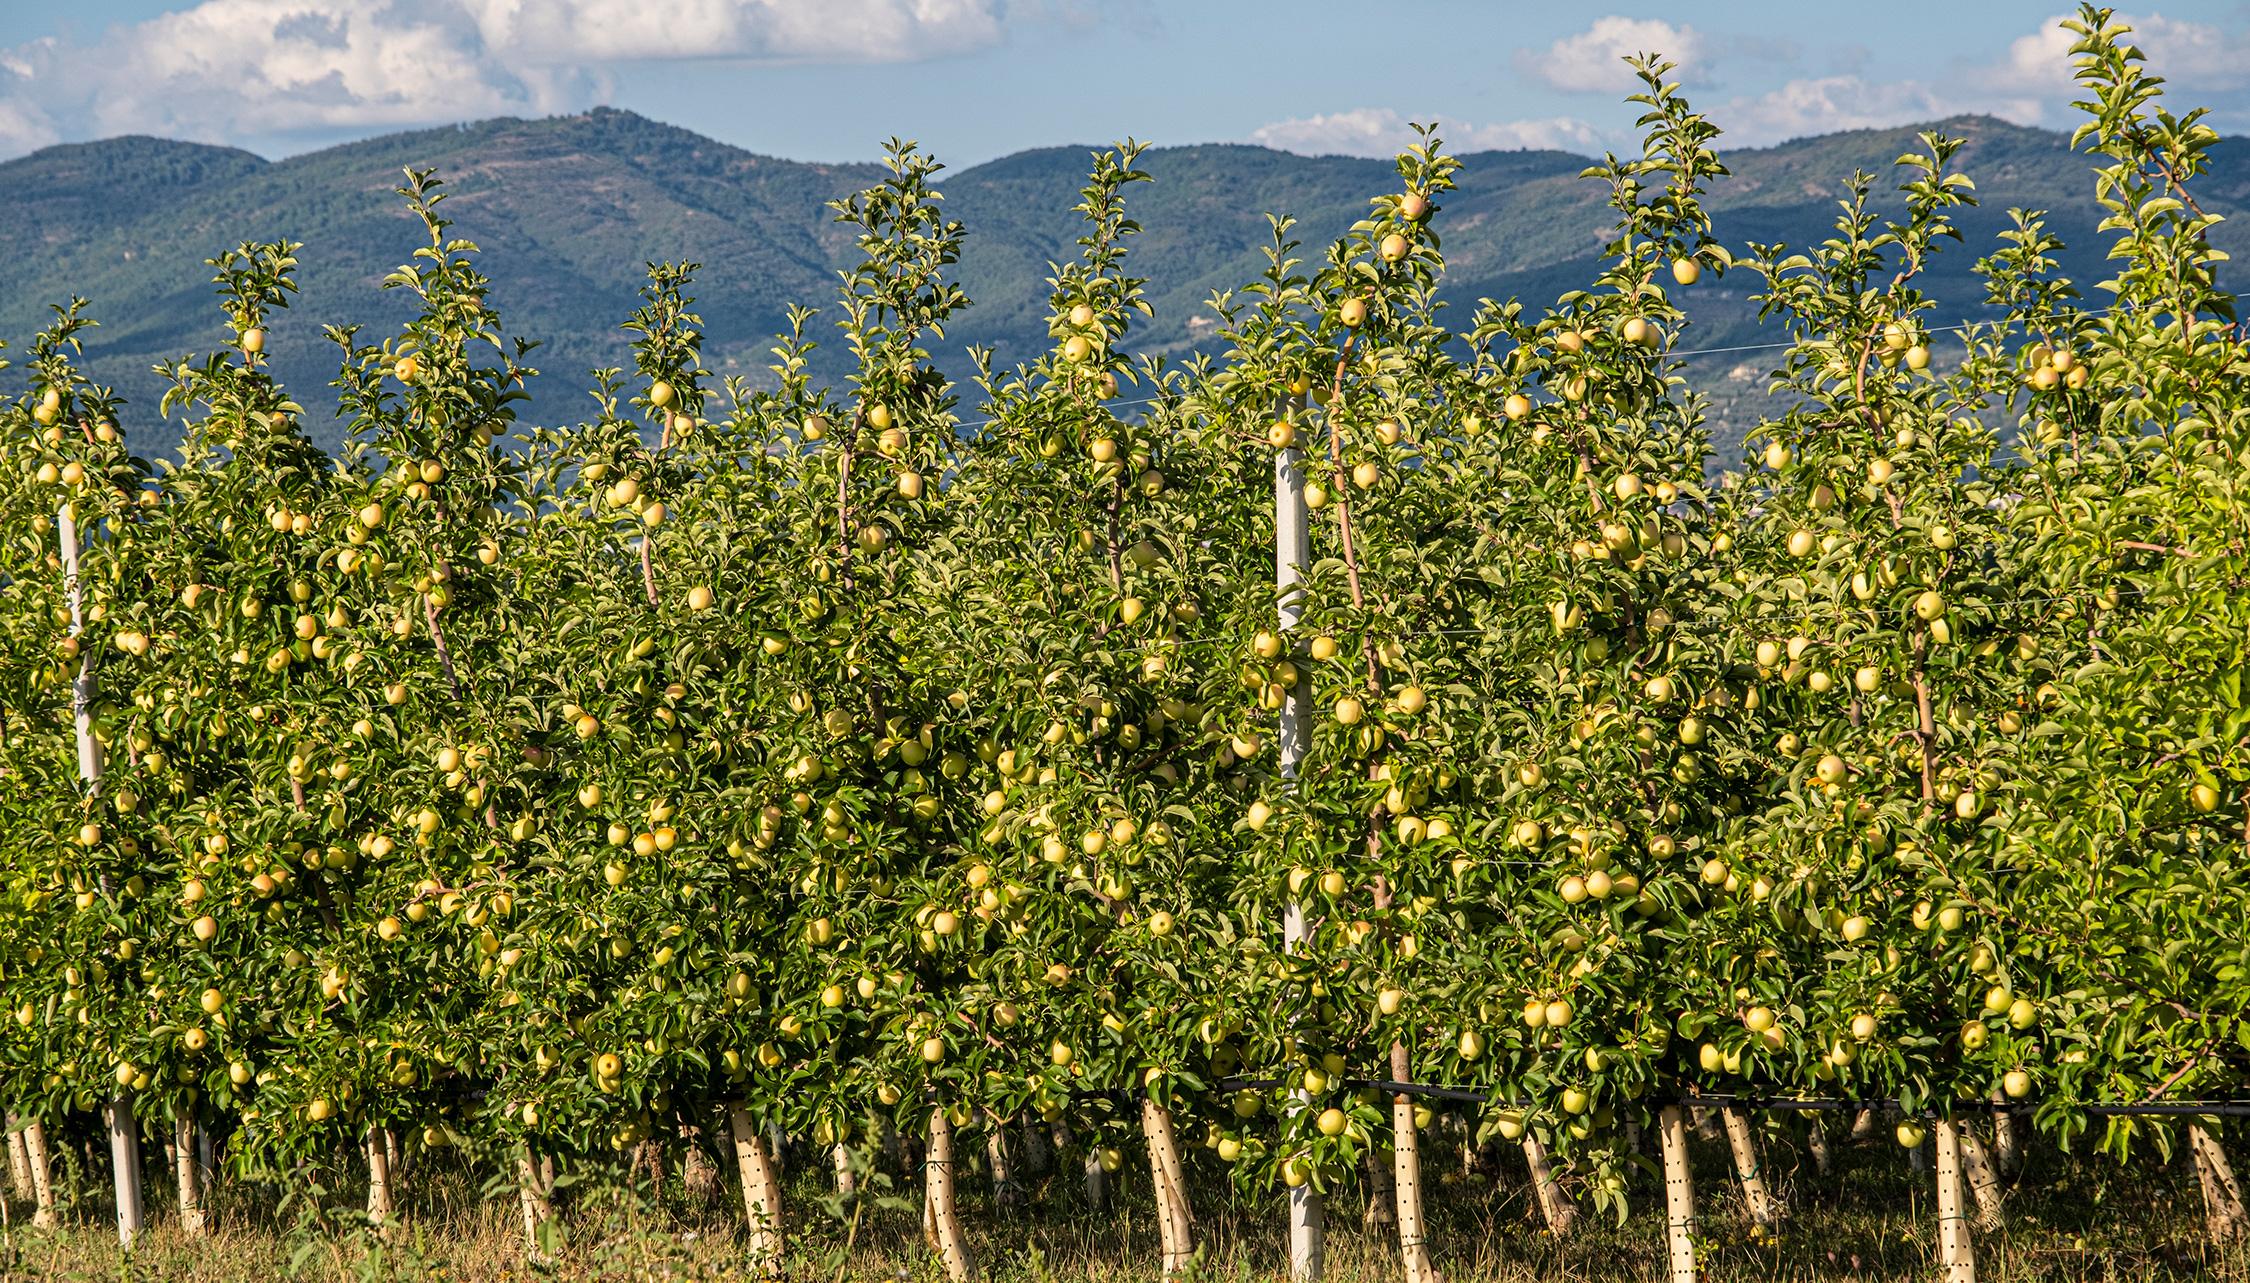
1775 1104
1781 1104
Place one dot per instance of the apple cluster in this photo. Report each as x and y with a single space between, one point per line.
766 757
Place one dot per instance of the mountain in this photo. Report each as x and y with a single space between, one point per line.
569 209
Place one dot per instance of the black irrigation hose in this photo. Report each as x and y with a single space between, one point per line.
1782 1104
1774 1104
1417 1089
2223 1108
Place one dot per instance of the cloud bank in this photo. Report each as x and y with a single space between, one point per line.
1380 131
293 73
225 70
2028 82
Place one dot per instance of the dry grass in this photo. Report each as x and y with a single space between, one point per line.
2069 1221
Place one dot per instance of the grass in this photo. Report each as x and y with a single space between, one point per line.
1871 1219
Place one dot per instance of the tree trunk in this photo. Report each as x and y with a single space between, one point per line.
2007 1148
1555 1205
1038 1155
1382 1192
378 1179
761 1192
1406 1176
1004 1193
648 1156
699 1176
1679 1197
1984 1181
1765 1210
1863 1126
1706 1126
538 1210
187 1171
945 1217
1175 1228
1816 1144
43 1216
777 1150
2223 1216
1097 1180
392 1150
1957 1258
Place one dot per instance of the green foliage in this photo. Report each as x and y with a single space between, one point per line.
800 749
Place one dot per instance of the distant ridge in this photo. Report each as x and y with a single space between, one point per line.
569 209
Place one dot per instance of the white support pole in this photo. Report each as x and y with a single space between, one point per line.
82 690
379 1206
1957 1257
944 1212
1175 1227
125 1163
19 1159
1291 551
43 1216
1679 1197
124 1130
761 1192
1765 1211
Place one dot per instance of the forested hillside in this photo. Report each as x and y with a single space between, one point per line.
571 208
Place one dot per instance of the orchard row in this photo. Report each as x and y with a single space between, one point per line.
808 755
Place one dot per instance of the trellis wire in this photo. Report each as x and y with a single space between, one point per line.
1782 1104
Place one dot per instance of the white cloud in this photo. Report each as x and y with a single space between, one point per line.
1827 104
23 127
2035 63
1379 131
228 70
2029 83
1593 61
2191 56
569 31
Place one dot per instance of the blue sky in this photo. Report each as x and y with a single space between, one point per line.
974 79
